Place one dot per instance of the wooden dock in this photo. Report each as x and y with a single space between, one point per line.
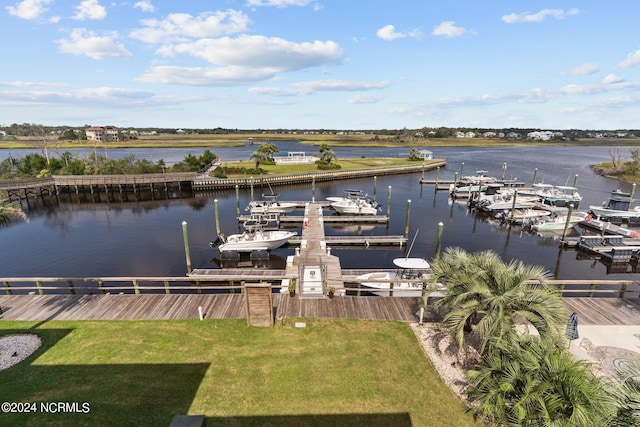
591 311
332 219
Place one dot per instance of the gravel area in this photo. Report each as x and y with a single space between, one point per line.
15 348
445 355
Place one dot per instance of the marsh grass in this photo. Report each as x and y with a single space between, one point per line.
332 372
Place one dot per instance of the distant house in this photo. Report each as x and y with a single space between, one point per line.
102 133
425 154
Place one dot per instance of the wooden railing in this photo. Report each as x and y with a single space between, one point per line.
213 183
137 285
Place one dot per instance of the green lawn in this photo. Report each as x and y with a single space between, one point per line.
345 164
141 373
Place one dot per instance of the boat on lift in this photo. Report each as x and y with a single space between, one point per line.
271 205
355 203
253 240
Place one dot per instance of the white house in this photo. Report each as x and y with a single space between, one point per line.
425 154
295 157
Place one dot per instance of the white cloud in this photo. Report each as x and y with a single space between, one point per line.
144 5
310 87
29 9
539 16
364 99
87 43
278 3
177 26
612 79
448 29
389 33
585 69
259 52
90 9
632 60
206 76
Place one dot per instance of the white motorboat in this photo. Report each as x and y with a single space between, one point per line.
522 216
558 195
356 203
271 205
407 279
255 240
496 198
556 222
618 207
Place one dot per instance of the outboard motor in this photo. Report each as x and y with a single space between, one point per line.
220 240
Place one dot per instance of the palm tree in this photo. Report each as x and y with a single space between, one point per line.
259 157
626 392
526 383
488 298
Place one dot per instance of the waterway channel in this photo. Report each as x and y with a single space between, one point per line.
75 237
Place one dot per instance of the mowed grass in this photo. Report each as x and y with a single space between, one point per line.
142 373
345 164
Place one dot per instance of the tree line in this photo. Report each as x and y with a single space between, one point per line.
38 166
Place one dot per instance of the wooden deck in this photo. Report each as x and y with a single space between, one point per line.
171 307
592 311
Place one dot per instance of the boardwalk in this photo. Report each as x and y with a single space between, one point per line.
173 307
592 311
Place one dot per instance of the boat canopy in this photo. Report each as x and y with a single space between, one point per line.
412 263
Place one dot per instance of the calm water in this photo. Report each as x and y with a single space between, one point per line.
68 238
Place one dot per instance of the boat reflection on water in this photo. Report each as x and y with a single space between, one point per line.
256 259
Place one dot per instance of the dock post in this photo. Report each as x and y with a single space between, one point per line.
389 203
504 170
7 287
185 237
461 169
313 189
39 285
375 186
566 224
166 287
71 288
513 204
406 226
439 243
215 209
252 189
422 171
237 200
575 180
136 289
437 176
633 190
455 178
535 173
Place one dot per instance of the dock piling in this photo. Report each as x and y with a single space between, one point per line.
504 170
575 180
566 224
185 237
237 200
439 243
375 186
215 209
406 226
633 190
389 203
535 173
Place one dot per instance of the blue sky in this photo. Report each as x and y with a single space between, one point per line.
334 64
